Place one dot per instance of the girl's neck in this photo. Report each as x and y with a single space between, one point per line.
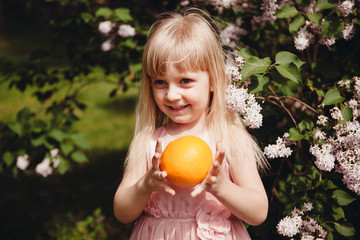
179 129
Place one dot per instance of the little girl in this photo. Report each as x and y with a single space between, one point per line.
183 93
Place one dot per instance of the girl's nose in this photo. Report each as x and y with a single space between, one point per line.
173 93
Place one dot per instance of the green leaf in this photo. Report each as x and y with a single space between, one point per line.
16 127
66 148
285 57
247 53
332 97
104 12
63 166
8 158
338 213
258 84
303 125
296 24
320 93
346 112
295 135
24 115
123 14
290 71
346 229
342 197
324 4
58 135
288 10
254 65
80 141
315 18
331 27
328 184
38 141
79 157
86 17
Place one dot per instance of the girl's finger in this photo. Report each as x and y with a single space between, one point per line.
199 189
219 153
156 158
168 190
159 175
215 168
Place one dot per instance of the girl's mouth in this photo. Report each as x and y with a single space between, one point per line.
178 108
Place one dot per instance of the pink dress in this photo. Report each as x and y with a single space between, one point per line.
182 217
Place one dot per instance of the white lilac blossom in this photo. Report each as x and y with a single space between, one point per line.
269 7
303 39
54 153
336 113
325 159
22 162
233 73
345 7
105 27
327 41
322 120
280 149
125 31
107 45
230 34
239 100
300 223
222 3
289 226
240 61
340 149
44 167
348 31
344 83
311 8
184 3
357 87
319 135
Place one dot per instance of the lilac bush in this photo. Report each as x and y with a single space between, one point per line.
299 70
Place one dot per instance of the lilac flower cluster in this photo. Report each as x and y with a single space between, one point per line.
298 223
107 27
340 151
231 33
280 149
307 35
310 32
239 100
45 168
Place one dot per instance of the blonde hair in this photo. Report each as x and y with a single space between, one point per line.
189 40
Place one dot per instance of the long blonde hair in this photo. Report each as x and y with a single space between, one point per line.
189 40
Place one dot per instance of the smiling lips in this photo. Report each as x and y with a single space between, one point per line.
178 108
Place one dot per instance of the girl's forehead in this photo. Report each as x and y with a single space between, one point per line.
176 66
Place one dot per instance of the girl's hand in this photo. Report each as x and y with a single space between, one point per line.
155 177
215 175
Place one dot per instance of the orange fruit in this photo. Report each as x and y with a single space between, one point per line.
186 161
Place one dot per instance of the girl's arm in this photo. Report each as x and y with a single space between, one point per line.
135 189
245 197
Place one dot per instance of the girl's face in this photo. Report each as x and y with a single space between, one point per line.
183 95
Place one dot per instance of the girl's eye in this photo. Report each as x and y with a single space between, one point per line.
159 83
186 80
